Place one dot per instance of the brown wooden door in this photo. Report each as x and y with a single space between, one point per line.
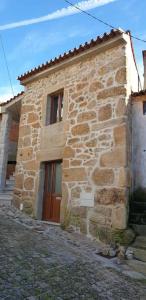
52 191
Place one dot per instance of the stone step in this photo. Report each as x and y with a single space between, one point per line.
10 181
137 266
10 184
9 188
6 197
140 242
139 254
139 229
6 202
12 177
6 193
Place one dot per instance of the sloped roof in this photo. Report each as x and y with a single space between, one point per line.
140 93
12 99
88 45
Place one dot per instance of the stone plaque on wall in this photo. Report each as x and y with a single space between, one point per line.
87 199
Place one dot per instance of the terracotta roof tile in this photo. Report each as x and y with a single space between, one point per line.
140 93
11 99
88 45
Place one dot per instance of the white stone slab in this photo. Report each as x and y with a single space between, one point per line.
87 199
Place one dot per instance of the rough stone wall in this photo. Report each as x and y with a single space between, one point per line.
95 163
14 131
95 157
27 167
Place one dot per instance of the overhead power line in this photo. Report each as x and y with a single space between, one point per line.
6 63
8 72
103 22
112 27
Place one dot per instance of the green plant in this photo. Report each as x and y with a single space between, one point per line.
123 236
67 217
117 236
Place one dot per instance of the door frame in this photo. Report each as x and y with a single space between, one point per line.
39 192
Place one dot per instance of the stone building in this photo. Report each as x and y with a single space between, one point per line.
139 133
138 203
9 133
74 147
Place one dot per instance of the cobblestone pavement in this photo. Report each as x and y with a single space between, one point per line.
40 261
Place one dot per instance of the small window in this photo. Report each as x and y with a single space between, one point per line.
144 107
54 111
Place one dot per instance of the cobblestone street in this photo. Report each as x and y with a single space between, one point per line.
40 261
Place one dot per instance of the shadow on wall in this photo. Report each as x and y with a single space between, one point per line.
137 202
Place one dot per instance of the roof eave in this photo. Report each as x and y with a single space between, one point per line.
11 102
114 41
139 96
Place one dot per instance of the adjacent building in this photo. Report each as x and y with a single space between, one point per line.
139 134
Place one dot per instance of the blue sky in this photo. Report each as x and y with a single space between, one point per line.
31 45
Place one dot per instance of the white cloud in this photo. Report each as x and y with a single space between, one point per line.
6 92
70 10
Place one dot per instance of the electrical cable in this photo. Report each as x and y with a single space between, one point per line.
6 63
8 72
101 21
112 27
9 76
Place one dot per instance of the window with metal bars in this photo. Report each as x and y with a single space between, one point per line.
54 111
